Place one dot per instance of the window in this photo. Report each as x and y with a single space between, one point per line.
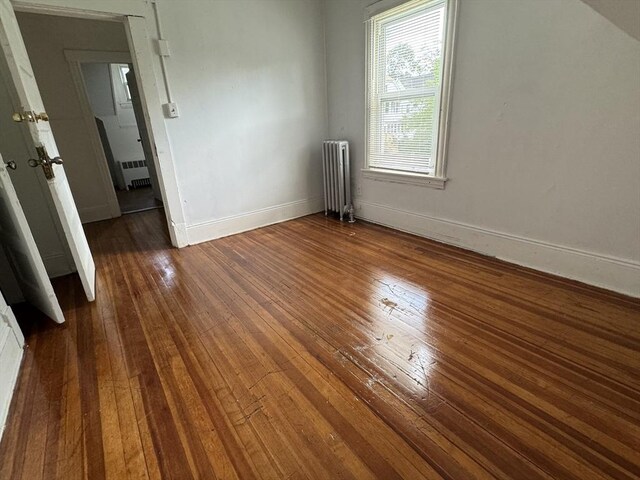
122 95
408 89
124 69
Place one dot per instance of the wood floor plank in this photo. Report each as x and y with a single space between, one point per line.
320 349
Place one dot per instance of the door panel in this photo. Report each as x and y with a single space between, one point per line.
40 133
143 132
30 184
22 252
11 351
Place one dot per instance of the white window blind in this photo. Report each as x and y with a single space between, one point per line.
404 86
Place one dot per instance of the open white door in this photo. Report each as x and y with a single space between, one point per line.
22 252
44 146
136 103
11 350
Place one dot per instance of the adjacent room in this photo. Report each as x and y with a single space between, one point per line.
111 93
320 239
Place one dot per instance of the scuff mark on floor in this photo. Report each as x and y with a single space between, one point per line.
263 377
388 303
371 381
384 336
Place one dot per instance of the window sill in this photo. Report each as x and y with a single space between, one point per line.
419 179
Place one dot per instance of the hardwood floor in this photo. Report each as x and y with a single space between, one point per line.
314 349
137 200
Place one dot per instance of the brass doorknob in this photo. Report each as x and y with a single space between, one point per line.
45 162
34 163
30 117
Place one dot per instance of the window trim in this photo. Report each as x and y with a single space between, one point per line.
119 87
125 84
448 55
409 178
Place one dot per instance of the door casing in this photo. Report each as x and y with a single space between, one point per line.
75 58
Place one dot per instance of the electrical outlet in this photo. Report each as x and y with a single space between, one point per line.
171 110
358 189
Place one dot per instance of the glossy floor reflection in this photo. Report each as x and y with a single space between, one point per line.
314 349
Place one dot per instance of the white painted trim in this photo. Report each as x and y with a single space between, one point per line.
446 92
11 355
231 225
95 213
618 274
57 265
382 6
112 10
403 177
11 359
75 58
141 56
96 56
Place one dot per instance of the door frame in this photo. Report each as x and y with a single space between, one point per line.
135 15
75 58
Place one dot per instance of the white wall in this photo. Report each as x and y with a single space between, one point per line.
249 80
544 152
623 13
46 38
97 80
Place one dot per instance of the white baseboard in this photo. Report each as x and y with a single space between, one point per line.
223 227
95 214
620 275
178 234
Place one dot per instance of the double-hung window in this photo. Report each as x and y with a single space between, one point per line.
121 84
409 68
124 69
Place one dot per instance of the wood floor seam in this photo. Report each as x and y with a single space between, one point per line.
315 349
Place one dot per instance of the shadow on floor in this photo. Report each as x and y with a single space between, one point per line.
137 200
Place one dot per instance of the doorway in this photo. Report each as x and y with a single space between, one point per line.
112 94
85 73
43 27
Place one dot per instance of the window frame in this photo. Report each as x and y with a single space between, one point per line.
439 178
123 79
119 86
